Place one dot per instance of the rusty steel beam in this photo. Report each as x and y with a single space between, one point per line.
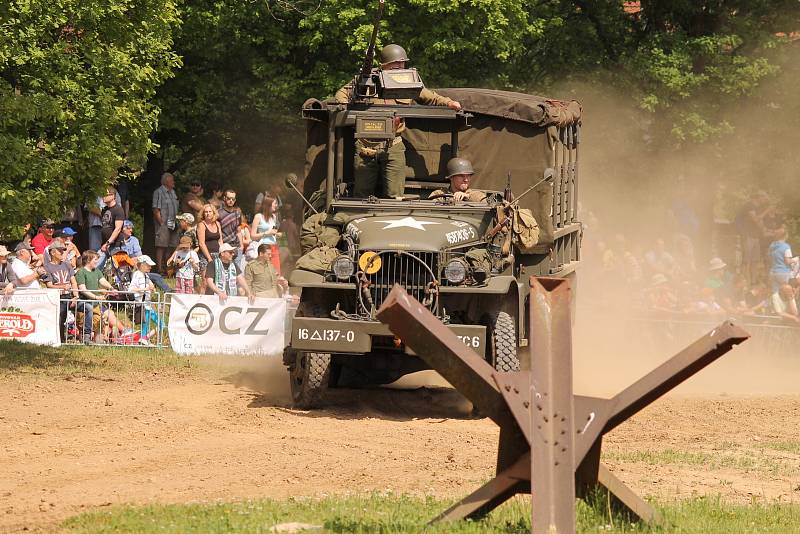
551 407
550 440
443 351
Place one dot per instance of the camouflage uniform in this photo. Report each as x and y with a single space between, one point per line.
373 159
473 195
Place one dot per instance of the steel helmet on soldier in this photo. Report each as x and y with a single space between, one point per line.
393 52
459 166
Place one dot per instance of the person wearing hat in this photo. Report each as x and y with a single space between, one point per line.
186 263
142 287
6 285
379 167
62 276
187 228
460 172
129 242
717 275
67 235
44 237
24 275
224 277
111 220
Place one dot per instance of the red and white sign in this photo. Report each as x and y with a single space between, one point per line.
16 324
31 316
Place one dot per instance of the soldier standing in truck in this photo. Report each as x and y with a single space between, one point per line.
459 172
387 160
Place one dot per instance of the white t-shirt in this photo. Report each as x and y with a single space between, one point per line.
21 269
187 271
139 281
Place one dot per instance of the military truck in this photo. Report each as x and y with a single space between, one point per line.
448 255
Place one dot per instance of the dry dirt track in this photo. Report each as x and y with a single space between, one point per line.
70 445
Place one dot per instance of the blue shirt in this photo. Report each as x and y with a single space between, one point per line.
132 247
777 253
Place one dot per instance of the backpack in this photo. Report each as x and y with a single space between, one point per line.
315 234
318 260
526 231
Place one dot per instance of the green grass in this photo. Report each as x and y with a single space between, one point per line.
744 462
784 446
25 358
400 513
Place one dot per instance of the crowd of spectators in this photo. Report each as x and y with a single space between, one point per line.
209 246
668 275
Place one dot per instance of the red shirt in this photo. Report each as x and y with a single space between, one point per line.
40 242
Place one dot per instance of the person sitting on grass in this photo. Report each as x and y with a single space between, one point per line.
186 263
90 281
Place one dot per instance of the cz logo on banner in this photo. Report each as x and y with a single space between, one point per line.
200 319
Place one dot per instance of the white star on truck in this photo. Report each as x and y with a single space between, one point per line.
406 222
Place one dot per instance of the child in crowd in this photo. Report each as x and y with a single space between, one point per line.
142 287
186 263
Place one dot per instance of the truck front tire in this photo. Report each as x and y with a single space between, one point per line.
501 336
309 377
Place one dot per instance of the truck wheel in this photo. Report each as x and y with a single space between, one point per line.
501 335
309 377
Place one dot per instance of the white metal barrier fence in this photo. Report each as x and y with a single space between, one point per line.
116 318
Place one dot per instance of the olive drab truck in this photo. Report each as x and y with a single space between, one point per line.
467 262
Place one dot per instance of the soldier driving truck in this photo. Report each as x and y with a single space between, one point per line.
452 233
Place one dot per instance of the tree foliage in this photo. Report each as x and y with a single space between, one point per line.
78 80
84 81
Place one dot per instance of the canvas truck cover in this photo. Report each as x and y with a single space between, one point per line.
509 132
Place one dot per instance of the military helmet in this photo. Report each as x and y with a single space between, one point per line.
459 166
393 52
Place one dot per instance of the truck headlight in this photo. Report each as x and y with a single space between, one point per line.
455 271
343 267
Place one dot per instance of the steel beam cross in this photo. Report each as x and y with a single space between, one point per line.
550 439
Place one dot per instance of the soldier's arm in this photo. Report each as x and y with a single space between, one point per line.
432 98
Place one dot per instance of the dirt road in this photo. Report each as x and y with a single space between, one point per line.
73 444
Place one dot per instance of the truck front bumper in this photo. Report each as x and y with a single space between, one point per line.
356 337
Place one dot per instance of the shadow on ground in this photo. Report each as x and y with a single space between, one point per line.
15 355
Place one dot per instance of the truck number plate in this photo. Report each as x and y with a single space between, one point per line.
471 341
326 334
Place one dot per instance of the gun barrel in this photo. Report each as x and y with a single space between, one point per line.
366 68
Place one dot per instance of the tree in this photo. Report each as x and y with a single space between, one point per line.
78 79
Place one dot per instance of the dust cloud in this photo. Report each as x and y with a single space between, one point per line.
638 186
264 375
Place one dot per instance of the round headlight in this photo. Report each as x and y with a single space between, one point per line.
455 271
343 267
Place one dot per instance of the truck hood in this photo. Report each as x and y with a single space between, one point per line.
411 232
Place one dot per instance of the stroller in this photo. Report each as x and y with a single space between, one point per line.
120 271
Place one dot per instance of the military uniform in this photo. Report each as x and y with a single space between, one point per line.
373 159
473 195
262 278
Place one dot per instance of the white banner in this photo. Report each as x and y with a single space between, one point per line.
31 316
199 324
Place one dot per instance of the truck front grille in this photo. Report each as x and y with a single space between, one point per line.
414 271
